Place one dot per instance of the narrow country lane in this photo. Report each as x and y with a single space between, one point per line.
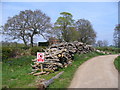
98 72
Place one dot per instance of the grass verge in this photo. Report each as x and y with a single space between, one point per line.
15 73
117 63
66 77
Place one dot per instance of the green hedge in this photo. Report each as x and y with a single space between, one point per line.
8 52
109 49
36 49
25 47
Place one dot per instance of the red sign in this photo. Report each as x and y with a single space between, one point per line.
40 57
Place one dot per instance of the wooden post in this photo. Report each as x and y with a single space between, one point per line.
41 67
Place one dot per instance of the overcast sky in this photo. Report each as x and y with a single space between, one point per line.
102 15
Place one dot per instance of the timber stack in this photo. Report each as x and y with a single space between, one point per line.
60 56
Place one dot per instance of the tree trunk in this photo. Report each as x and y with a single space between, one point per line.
118 38
24 41
31 41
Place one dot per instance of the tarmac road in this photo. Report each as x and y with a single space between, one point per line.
98 72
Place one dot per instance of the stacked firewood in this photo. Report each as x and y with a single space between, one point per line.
61 55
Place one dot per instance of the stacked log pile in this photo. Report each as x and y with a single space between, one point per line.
59 56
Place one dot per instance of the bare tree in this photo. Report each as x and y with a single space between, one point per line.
100 43
26 25
105 43
86 32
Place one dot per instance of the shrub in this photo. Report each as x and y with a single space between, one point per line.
8 52
109 49
36 49
25 47
117 63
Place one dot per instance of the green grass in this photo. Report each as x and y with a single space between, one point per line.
117 63
66 77
15 72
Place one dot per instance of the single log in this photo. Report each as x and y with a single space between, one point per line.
52 60
48 82
39 73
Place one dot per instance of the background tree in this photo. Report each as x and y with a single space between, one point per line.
105 43
55 32
86 33
72 34
100 43
64 24
26 25
116 36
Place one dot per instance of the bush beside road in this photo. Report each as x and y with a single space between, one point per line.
117 63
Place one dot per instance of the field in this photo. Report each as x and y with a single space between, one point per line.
15 72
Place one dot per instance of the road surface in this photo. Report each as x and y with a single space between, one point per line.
98 72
